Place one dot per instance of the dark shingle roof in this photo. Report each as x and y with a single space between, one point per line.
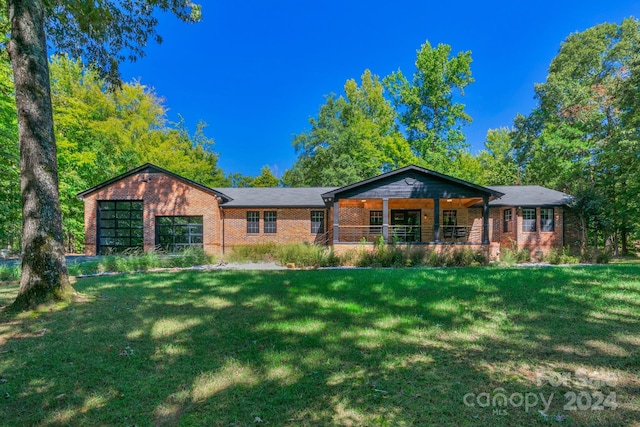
529 195
309 197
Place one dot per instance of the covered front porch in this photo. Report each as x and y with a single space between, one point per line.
411 206
410 221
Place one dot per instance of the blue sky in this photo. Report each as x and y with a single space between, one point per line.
255 71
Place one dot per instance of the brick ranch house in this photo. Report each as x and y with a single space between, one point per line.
150 207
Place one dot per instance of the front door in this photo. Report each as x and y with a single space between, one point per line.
405 226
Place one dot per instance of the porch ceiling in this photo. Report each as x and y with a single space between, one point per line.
376 203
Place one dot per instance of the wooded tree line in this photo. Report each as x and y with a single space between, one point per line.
582 137
101 133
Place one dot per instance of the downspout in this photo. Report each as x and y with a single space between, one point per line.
223 234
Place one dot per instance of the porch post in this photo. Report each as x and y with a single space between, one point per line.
385 219
436 220
336 225
485 220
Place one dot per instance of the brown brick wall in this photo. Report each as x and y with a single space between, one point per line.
537 242
161 195
293 226
572 230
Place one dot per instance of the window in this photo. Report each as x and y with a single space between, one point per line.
253 222
449 217
529 219
120 226
176 233
508 221
546 219
449 222
375 220
270 218
317 222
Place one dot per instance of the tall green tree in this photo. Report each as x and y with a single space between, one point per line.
354 137
499 165
10 165
106 33
428 105
265 179
579 136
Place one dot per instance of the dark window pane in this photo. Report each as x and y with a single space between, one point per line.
164 220
123 223
137 232
136 206
124 232
123 214
123 206
181 220
122 241
165 239
107 205
107 214
181 239
107 224
195 229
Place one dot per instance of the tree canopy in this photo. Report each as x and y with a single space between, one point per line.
428 106
354 137
583 133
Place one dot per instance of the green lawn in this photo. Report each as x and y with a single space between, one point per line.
330 347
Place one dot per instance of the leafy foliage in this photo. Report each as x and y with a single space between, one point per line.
10 165
353 138
110 32
583 134
427 106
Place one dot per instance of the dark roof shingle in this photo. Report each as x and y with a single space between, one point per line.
529 195
302 197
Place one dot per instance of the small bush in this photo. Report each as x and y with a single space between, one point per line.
514 255
255 253
416 256
302 255
10 273
595 256
561 256
190 257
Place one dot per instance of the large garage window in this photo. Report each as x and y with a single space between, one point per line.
176 233
120 226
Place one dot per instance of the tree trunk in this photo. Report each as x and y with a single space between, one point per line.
44 271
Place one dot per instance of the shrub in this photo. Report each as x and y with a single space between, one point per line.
266 251
561 256
513 255
595 256
302 255
190 257
10 273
